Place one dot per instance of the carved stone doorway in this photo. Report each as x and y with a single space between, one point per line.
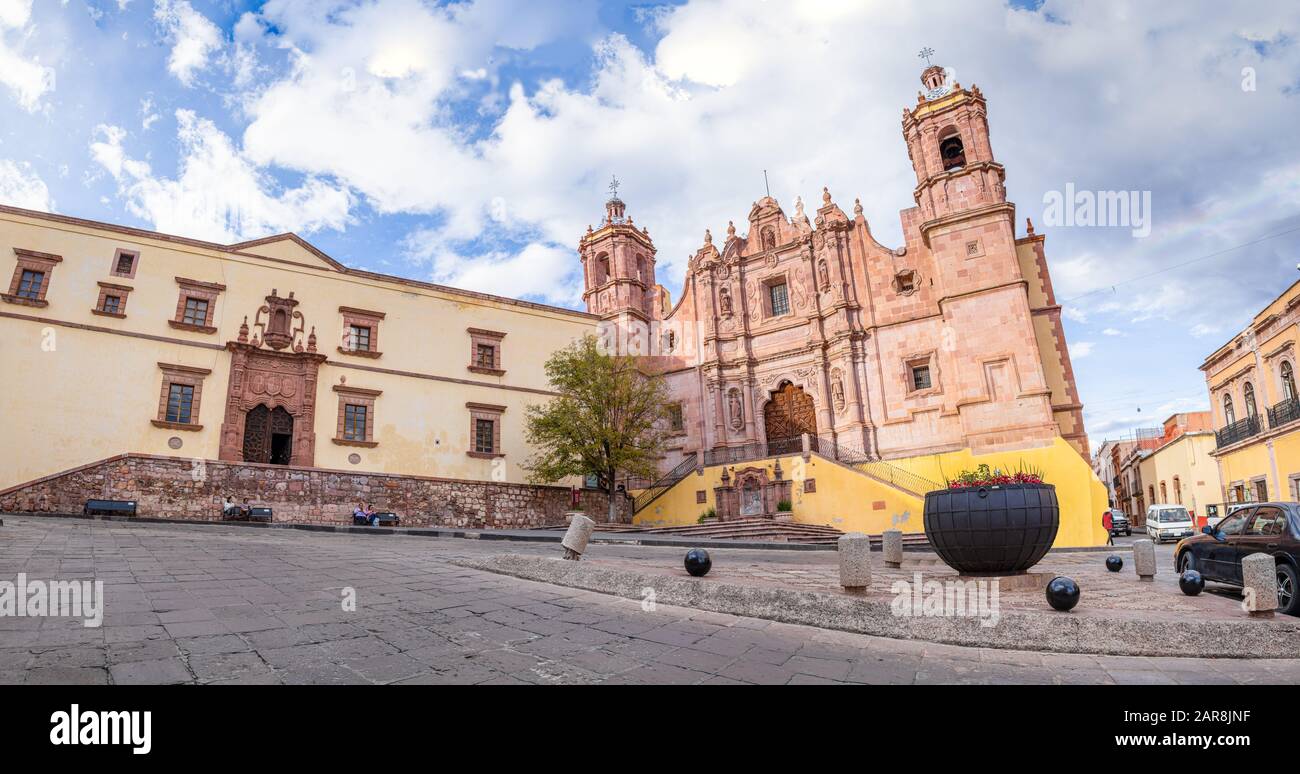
789 414
268 435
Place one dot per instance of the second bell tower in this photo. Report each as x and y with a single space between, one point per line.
618 265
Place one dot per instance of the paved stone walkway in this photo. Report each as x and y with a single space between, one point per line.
238 605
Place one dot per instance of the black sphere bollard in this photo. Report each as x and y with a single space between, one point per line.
1062 593
1191 582
1114 563
698 562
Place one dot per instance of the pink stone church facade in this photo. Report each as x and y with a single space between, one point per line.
805 324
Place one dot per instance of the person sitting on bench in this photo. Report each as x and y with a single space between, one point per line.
363 514
229 510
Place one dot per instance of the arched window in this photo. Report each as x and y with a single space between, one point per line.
1164 493
951 151
1178 491
602 268
1248 395
1288 381
640 268
1229 415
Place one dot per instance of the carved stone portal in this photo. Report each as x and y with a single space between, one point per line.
271 398
750 493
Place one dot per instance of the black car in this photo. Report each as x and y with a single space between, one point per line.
1269 528
1119 523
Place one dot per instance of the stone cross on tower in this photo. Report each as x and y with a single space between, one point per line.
925 54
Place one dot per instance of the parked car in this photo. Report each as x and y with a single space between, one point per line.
1169 522
1270 528
1119 523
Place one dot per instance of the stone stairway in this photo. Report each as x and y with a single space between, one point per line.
754 529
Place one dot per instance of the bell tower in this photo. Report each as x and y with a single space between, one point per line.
947 135
618 265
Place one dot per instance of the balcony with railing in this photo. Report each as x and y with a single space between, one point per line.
1281 413
1238 431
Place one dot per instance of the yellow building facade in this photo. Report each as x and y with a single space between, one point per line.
119 340
1183 472
1252 384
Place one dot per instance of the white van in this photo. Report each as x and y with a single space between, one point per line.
1169 522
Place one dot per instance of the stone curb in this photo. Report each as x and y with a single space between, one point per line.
522 536
1018 630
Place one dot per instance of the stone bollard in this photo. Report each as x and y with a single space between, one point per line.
855 562
575 539
1259 584
892 544
568 516
1144 559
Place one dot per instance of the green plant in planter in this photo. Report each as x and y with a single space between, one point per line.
985 476
785 506
711 513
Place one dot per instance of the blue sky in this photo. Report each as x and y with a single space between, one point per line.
470 143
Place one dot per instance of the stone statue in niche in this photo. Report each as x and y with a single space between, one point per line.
736 410
824 274
837 391
724 301
769 238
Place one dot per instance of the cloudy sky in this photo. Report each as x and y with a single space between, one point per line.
470 143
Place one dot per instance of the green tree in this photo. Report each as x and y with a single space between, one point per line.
607 418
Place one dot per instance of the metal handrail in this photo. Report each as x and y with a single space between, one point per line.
863 461
1283 412
665 483
1237 431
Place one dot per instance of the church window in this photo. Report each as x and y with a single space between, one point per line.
779 296
1288 381
675 420
920 377
1248 393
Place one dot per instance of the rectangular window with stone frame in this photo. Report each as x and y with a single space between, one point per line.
356 419
196 305
31 278
485 351
182 391
360 332
112 300
125 263
676 421
485 430
779 298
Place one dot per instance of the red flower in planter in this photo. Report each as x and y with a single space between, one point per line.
985 476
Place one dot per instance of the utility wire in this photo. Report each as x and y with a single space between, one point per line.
1112 286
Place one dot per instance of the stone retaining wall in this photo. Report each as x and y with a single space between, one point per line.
181 488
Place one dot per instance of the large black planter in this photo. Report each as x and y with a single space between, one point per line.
992 530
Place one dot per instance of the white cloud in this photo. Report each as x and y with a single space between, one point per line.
21 187
26 77
219 195
194 39
1112 332
1081 349
1074 313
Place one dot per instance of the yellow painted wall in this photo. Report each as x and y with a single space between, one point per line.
844 498
82 387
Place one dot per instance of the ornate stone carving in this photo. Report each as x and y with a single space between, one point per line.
837 390
735 409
